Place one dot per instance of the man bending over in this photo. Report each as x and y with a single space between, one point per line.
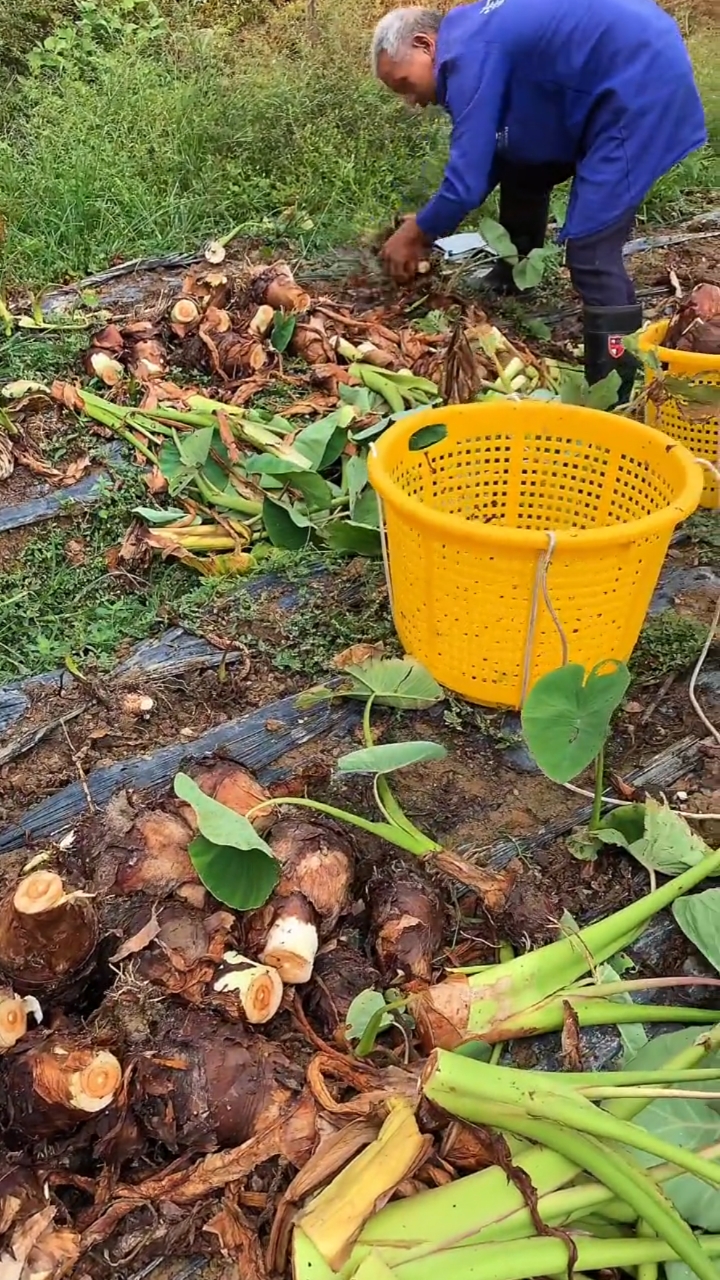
539 91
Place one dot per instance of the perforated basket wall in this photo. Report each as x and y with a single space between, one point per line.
692 424
466 525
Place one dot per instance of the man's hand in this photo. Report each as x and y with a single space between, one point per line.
404 251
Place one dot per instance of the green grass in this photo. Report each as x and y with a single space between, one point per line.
148 147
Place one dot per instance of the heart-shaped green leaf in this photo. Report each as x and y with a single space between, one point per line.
668 845
390 756
394 682
699 918
567 716
232 860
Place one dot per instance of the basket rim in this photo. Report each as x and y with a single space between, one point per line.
476 534
650 339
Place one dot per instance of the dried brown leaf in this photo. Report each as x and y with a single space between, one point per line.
75 470
357 653
156 481
238 1241
139 941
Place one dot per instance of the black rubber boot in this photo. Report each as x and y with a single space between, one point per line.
605 328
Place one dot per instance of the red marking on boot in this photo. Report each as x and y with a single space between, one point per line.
616 346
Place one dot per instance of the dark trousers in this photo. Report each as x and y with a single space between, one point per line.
596 265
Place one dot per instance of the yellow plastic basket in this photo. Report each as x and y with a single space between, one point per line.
466 538
692 424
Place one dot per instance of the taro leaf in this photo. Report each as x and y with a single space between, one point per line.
356 478
660 1050
373 431
359 397
353 539
323 441
232 860
669 845
268 464
566 716
604 394
390 756
154 516
497 238
286 526
528 272
695 392
628 820
426 437
316 491
690 1124
395 682
699 919
366 1018
366 510
195 446
282 331
573 387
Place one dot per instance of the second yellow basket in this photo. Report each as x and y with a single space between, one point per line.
523 510
694 425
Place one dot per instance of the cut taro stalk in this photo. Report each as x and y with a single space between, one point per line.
318 866
48 936
216 1086
311 343
13 1017
258 987
406 921
56 1083
340 974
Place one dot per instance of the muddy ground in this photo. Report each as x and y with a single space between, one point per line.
486 800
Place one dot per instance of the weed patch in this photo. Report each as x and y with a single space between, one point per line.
669 643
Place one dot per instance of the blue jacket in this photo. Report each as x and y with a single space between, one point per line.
606 85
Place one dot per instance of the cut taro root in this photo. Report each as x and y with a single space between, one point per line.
406 921
275 286
214 1086
193 956
13 1019
340 974
56 1082
318 865
311 343
147 360
48 936
696 324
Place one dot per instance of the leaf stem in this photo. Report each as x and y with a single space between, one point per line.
598 796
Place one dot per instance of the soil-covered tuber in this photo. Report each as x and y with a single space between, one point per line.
56 1082
234 787
48 936
145 851
275 286
696 324
340 974
318 866
214 1086
406 914
193 956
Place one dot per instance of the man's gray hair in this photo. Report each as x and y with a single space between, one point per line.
395 32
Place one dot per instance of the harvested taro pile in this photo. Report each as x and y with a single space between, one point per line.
182 1077
695 325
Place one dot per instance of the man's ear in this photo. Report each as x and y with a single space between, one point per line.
426 43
